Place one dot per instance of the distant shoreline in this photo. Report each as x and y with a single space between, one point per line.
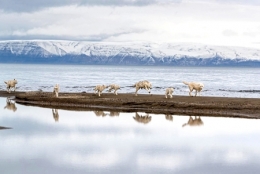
158 104
132 65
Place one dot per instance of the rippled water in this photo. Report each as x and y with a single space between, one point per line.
235 82
43 140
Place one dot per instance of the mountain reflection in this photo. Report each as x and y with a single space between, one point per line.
194 122
10 105
142 119
55 114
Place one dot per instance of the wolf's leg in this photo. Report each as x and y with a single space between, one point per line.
191 89
148 89
136 91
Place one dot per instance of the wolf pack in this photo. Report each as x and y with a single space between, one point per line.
145 84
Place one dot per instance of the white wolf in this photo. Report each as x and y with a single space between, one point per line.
194 86
11 84
142 85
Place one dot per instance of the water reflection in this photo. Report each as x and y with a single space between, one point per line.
100 113
55 114
10 105
114 114
145 119
84 142
103 113
194 122
3 128
169 117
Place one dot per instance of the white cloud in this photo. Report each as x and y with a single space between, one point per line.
209 22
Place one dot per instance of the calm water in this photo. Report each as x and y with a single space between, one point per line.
58 141
87 142
235 82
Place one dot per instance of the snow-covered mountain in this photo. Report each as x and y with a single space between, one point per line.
104 53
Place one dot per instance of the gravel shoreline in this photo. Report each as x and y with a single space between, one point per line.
157 104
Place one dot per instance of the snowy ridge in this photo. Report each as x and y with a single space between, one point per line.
147 52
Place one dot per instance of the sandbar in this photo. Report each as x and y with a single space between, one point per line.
149 103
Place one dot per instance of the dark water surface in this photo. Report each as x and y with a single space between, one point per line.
50 141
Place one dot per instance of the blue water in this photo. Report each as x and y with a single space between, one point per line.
231 82
104 142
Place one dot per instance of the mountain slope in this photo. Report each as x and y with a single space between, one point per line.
73 52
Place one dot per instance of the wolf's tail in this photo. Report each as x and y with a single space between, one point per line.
186 83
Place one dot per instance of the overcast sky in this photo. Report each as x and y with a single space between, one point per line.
216 22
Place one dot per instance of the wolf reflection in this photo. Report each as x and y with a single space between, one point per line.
55 114
145 119
10 105
169 117
194 122
103 114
